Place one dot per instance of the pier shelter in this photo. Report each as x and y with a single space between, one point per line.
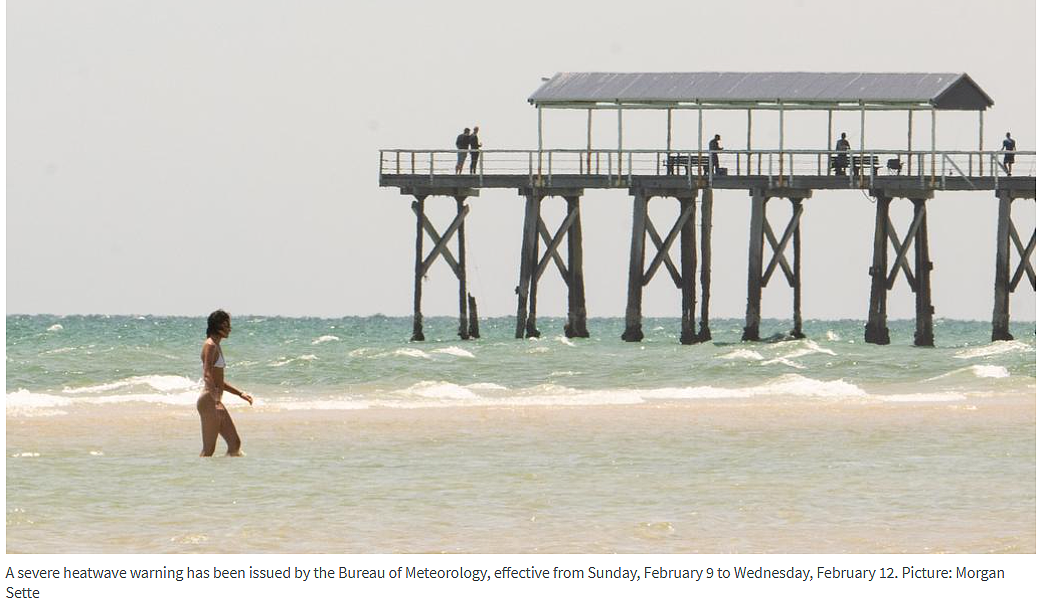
693 175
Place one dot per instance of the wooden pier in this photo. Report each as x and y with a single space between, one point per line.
544 176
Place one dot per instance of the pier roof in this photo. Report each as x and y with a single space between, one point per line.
955 91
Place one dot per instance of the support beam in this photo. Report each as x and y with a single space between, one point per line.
1001 305
576 325
461 213
923 267
688 253
705 265
528 259
796 242
876 331
417 304
753 315
633 328
441 249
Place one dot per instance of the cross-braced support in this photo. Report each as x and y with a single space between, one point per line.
639 276
1005 283
758 274
441 248
533 264
884 275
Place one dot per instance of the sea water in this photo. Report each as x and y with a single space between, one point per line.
360 441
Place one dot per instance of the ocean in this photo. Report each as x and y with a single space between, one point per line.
361 441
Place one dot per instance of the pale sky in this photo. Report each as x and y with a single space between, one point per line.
171 157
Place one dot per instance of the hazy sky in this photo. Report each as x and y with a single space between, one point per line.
171 157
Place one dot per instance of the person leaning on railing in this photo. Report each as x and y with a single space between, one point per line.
462 143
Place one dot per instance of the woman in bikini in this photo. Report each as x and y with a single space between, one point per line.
215 419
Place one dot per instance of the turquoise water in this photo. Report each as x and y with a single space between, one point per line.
368 362
360 441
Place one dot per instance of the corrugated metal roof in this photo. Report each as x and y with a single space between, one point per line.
939 90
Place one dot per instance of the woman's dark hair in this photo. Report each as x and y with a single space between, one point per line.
216 320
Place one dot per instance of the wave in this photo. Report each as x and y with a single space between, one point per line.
155 382
742 354
993 349
455 351
979 371
323 339
284 361
55 327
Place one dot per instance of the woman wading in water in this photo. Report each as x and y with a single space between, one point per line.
215 420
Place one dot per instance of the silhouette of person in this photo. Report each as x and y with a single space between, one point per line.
475 146
841 145
1008 160
715 146
462 143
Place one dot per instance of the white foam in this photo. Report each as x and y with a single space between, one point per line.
796 385
989 371
357 352
565 340
783 361
428 389
537 350
742 355
55 327
154 381
995 348
26 454
24 399
283 361
411 352
832 336
455 351
486 386
979 371
325 338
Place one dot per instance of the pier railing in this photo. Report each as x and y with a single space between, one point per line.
783 166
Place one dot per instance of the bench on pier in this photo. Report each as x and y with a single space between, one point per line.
860 163
863 163
676 162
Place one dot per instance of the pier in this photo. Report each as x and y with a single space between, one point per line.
892 177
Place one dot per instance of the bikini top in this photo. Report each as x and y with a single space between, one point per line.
221 361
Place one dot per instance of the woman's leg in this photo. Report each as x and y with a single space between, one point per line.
229 433
209 423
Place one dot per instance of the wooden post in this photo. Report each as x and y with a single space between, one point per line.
417 310
635 274
923 266
472 307
705 264
1001 307
534 278
688 248
528 259
796 241
876 332
461 273
748 142
910 118
754 266
577 320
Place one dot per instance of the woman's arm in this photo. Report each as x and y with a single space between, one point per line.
226 386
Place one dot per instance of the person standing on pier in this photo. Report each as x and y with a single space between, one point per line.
1008 160
842 145
475 146
462 143
714 146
